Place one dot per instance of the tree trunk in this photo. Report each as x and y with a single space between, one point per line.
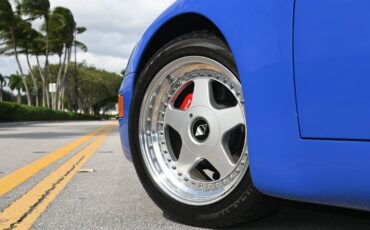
60 77
35 88
63 83
57 88
19 97
57 85
62 98
21 71
45 95
46 67
75 80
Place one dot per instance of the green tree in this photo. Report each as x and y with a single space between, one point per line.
12 27
62 38
25 37
16 83
79 30
37 49
29 36
97 89
64 32
40 9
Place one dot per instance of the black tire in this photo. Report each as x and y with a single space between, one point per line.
245 203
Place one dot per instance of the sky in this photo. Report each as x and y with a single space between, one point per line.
113 28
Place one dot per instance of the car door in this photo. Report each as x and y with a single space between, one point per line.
332 68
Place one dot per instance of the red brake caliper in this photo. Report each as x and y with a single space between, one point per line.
187 102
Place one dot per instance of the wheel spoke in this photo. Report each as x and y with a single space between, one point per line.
174 118
220 159
229 118
201 93
186 160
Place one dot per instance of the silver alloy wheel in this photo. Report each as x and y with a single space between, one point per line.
187 151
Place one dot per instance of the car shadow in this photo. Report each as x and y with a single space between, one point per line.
297 215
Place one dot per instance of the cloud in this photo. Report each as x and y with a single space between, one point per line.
113 28
111 63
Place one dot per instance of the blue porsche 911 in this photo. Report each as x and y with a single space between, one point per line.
228 105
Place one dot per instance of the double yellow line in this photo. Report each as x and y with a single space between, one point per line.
22 213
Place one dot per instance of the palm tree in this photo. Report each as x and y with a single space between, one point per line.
37 49
62 31
15 83
2 85
25 37
26 43
60 23
79 30
83 47
40 9
12 26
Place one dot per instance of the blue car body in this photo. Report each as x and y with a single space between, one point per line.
304 66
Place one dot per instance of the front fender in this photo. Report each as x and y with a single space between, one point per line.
259 34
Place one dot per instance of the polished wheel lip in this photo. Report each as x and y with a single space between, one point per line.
164 170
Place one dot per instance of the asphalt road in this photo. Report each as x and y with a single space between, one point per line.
111 196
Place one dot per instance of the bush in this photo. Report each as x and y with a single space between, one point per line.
15 112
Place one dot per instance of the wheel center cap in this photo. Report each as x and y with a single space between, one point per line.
200 129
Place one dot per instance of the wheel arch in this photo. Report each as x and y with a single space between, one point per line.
174 27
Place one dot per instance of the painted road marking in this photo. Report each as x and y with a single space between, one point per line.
24 212
12 180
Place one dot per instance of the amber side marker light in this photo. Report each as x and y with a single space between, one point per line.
120 106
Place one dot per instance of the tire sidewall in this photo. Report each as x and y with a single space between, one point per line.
210 47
